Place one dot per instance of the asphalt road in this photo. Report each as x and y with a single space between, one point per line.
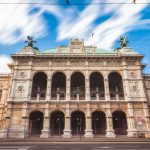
78 146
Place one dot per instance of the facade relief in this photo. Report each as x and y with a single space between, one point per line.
113 63
20 89
59 64
134 89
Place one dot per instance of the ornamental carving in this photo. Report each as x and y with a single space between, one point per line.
77 63
131 63
134 88
40 64
59 64
22 74
23 63
96 64
133 75
113 63
20 89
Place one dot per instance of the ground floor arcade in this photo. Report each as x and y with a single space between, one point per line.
45 119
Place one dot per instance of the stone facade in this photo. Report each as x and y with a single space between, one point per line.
95 108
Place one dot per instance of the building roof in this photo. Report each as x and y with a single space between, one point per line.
98 51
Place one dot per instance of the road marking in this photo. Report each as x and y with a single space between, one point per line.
104 147
15 147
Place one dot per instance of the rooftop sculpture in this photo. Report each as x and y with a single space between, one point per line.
123 41
30 41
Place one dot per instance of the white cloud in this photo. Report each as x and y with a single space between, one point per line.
4 60
81 25
17 23
124 17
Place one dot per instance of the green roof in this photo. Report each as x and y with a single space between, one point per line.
53 50
98 51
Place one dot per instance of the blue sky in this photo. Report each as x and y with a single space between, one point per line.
55 25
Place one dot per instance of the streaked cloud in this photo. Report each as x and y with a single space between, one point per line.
4 60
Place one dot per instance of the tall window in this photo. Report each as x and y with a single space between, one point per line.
0 94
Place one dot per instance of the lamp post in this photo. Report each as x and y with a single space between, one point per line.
58 121
79 126
95 121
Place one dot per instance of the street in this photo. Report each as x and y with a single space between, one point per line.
76 146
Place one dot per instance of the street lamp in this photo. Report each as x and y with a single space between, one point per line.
95 121
58 120
79 124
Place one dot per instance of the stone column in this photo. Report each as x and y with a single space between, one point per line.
13 83
48 92
68 88
88 130
131 122
46 130
125 81
67 130
110 130
106 87
30 81
87 88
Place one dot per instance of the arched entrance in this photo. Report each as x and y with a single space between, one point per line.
78 122
99 123
58 86
36 122
119 123
77 86
57 123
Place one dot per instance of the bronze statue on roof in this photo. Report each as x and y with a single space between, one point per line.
30 41
123 41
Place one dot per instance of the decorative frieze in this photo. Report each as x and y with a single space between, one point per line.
113 63
59 64
96 64
40 64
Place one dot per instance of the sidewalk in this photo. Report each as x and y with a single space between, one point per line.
74 140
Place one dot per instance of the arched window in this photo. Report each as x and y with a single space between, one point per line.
77 86
116 86
39 85
58 86
96 86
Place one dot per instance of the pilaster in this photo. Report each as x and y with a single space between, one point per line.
110 130
46 130
88 130
67 130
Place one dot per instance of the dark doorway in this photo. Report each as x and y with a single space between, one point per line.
119 123
99 123
57 123
36 123
78 122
